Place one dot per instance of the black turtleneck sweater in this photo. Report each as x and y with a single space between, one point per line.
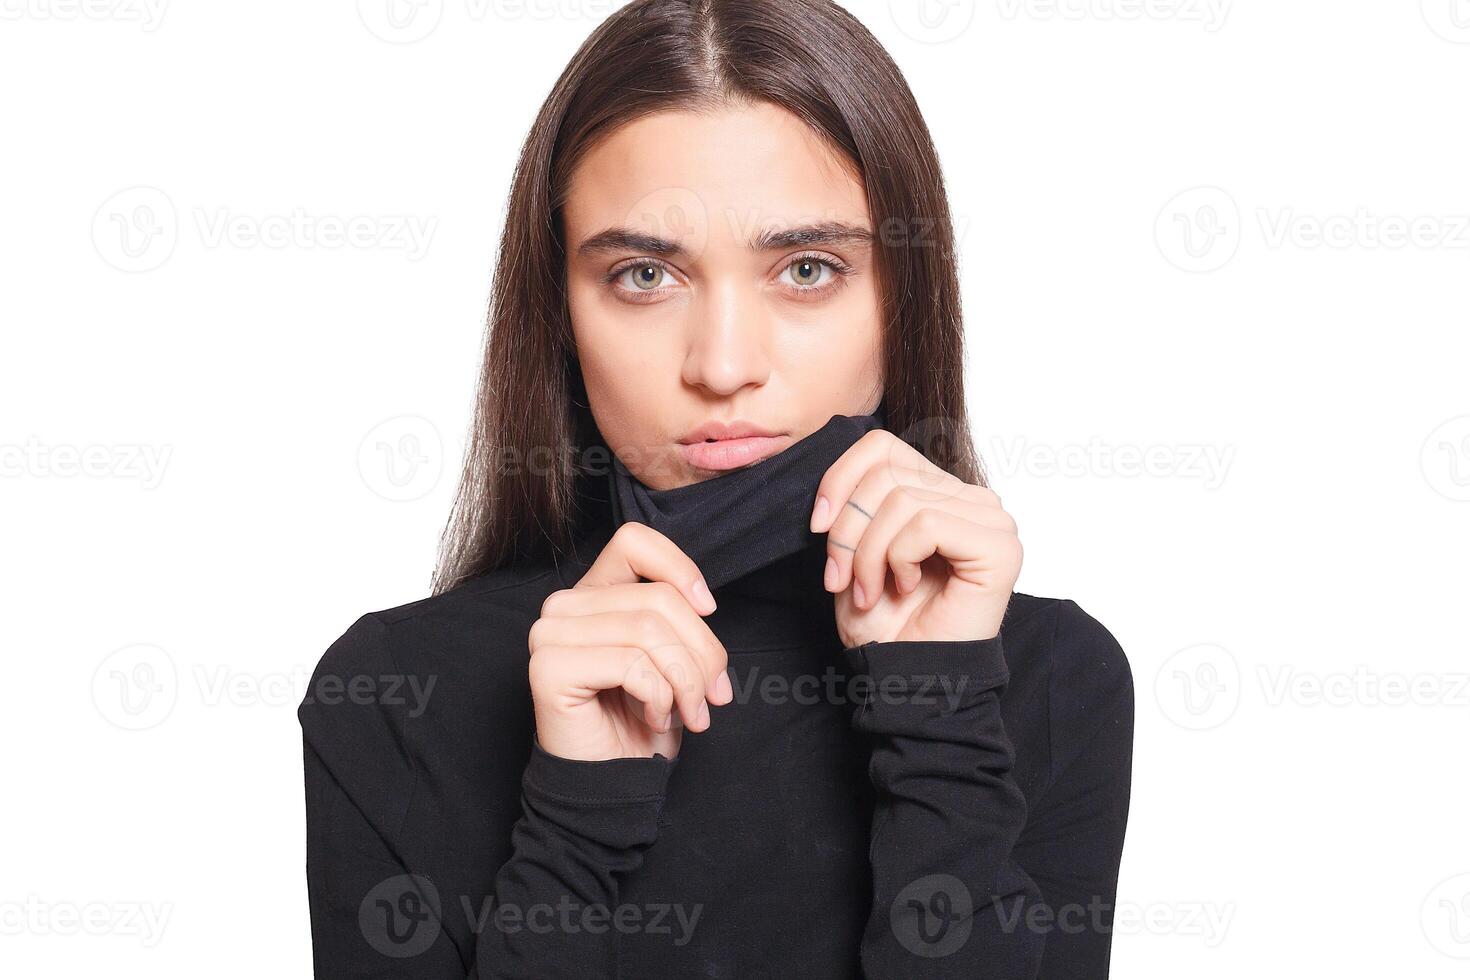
908 809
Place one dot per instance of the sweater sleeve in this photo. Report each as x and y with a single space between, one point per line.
970 878
1073 844
949 898
374 913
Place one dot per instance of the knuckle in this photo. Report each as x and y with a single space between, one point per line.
536 635
1013 548
674 666
641 673
648 627
719 656
554 602
540 667
683 676
663 594
628 532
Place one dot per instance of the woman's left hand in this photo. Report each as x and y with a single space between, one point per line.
954 552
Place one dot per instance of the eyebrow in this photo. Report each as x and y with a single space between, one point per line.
823 233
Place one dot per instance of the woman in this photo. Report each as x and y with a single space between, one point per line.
783 714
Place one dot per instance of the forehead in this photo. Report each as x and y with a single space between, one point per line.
721 175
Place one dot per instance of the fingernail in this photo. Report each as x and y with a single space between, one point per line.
702 593
703 715
724 692
819 513
857 593
829 574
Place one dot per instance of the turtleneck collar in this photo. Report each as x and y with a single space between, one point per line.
749 518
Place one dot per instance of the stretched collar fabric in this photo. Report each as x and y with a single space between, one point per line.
748 518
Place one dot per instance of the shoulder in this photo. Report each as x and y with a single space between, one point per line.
1070 637
471 638
492 602
1076 662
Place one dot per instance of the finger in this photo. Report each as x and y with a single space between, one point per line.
875 448
858 540
875 555
580 673
695 633
643 628
977 552
636 550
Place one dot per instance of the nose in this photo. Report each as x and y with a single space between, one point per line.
729 339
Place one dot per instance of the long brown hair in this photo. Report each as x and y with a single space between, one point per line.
519 495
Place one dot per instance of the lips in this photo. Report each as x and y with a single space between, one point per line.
720 446
729 454
715 430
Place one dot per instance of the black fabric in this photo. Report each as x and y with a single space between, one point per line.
907 809
743 519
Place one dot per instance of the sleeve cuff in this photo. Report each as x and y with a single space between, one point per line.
609 782
903 665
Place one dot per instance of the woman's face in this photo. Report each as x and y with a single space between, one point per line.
719 271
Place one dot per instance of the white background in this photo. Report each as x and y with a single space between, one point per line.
1229 239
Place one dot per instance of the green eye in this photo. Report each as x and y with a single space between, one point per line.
647 276
806 272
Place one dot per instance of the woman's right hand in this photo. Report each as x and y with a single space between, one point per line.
614 659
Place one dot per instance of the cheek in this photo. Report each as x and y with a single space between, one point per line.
833 349
599 334
623 356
